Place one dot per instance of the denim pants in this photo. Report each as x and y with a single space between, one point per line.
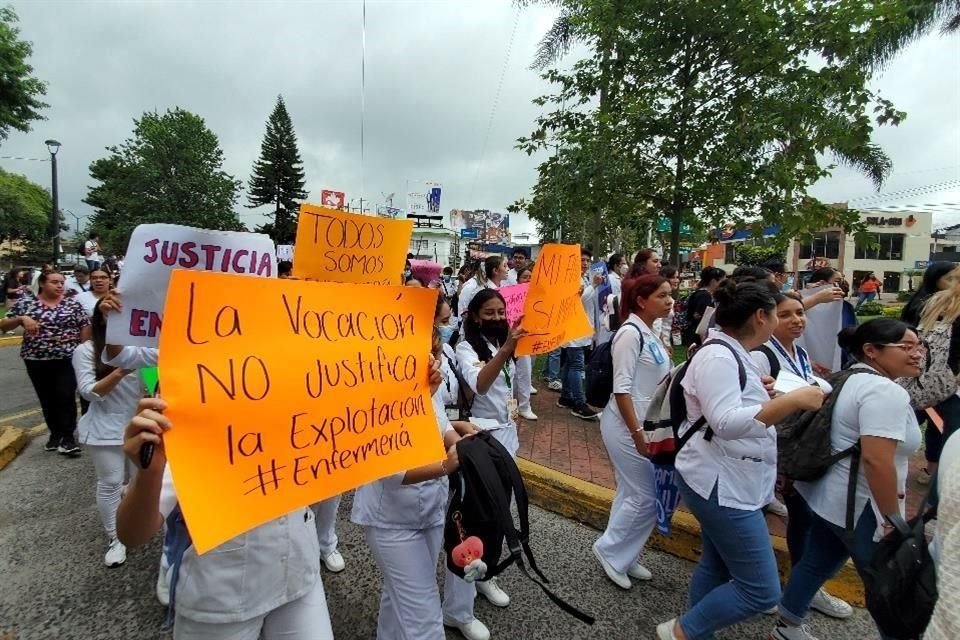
864 297
826 550
552 371
736 577
571 375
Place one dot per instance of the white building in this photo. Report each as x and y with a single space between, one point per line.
902 244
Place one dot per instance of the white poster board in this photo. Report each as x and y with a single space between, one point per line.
823 325
155 250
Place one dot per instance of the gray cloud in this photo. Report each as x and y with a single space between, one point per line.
432 71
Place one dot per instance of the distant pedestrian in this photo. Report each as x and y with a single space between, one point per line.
870 289
91 251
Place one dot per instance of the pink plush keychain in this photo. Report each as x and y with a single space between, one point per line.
468 555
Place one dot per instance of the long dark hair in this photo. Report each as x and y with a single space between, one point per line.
911 312
471 328
98 332
879 331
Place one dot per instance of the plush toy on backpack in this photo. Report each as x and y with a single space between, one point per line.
468 555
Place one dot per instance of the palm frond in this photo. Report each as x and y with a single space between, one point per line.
869 159
555 43
923 17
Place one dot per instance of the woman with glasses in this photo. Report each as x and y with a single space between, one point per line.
99 287
874 412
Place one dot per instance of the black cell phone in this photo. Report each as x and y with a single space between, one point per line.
146 449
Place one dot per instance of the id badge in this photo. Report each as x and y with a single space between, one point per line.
453 413
513 408
657 352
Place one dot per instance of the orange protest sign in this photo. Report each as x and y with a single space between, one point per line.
335 246
283 393
553 313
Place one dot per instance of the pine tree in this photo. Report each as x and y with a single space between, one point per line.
278 177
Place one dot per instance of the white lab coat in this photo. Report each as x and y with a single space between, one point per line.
104 422
634 510
403 526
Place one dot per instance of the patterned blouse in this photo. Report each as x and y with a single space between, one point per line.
60 326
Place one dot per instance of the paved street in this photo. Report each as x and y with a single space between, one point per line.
53 584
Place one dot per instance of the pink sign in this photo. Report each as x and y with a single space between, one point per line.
515 296
426 271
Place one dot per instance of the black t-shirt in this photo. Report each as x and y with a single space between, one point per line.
697 303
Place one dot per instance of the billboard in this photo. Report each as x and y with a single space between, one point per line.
332 199
488 226
426 201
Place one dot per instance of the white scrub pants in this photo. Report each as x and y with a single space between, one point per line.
326 521
634 511
112 468
524 381
410 599
306 618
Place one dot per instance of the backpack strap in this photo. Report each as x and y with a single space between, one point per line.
741 374
465 396
771 358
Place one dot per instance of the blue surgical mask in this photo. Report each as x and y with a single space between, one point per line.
446 331
406 274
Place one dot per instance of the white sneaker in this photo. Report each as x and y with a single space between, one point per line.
533 391
777 508
473 630
665 630
617 578
527 414
782 632
116 554
491 590
555 385
333 561
831 606
163 586
639 572
772 611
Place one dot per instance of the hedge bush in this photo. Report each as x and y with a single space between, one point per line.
872 308
893 311
904 296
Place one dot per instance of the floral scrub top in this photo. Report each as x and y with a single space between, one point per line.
60 326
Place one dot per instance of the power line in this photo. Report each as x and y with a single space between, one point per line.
496 103
911 192
24 158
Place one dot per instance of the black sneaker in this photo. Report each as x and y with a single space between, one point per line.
563 403
51 445
69 448
585 412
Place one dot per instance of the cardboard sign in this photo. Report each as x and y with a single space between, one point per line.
514 296
335 246
155 250
283 393
553 312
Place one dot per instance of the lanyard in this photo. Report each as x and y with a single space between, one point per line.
804 370
506 377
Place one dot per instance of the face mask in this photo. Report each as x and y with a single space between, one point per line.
445 278
406 274
446 331
495 331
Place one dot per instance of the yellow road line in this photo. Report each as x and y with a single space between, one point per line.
17 416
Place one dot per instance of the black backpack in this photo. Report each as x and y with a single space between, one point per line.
901 583
480 494
599 370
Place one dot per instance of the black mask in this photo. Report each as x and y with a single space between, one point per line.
496 331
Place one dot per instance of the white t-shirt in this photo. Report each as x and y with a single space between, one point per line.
71 284
490 410
634 371
797 363
88 300
741 459
91 249
868 405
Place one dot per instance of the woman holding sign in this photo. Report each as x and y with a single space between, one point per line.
485 359
113 394
525 363
640 361
262 584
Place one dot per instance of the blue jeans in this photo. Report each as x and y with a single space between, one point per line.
571 373
824 554
736 577
552 370
864 297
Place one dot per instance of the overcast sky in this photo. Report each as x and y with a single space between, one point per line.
432 76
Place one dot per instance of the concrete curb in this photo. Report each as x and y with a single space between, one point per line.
10 341
590 503
14 439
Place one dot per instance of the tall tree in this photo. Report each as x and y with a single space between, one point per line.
20 91
702 112
919 18
171 170
24 209
278 177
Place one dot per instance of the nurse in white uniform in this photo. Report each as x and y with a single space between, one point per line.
485 359
524 387
402 518
215 599
640 362
494 276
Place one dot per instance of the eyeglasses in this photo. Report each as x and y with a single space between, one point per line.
917 347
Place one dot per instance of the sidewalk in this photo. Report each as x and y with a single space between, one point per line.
572 474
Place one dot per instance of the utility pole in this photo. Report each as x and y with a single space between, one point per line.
53 147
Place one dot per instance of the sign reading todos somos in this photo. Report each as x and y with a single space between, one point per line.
155 250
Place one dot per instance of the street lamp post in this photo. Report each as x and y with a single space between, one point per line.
53 147
76 221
